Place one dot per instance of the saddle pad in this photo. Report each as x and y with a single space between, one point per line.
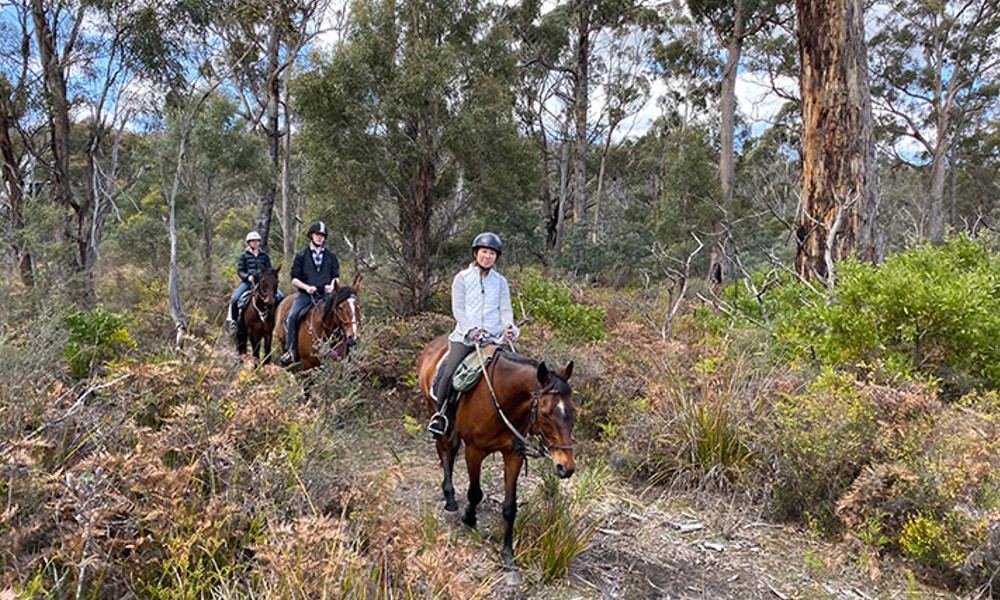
244 300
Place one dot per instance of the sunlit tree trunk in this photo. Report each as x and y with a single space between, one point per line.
838 207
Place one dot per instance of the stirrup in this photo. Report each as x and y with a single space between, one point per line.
437 419
288 358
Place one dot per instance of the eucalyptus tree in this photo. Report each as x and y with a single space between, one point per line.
935 68
224 165
265 38
838 207
733 23
16 135
95 59
410 124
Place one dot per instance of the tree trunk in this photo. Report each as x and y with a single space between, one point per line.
265 206
416 227
837 216
57 109
563 192
287 208
595 229
176 308
205 219
577 205
935 204
720 269
10 174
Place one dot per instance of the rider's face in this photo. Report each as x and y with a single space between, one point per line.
254 244
318 239
485 257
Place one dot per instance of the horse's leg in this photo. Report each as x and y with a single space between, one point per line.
474 461
512 463
267 347
447 450
255 342
241 340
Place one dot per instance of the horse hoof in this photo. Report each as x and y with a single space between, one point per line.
512 576
451 506
470 523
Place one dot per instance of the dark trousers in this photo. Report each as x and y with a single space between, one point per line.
302 303
457 351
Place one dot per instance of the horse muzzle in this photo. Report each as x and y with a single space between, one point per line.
564 462
352 342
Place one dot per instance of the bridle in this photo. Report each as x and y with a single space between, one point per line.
339 333
262 314
521 443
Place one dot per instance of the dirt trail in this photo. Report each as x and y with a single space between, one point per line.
649 543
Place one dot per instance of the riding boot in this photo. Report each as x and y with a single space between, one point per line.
231 318
292 329
438 424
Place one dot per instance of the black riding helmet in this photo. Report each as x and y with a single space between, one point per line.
318 227
487 240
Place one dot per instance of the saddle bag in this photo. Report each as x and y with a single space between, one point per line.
468 372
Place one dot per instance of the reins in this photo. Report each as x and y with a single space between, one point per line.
521 443
339 333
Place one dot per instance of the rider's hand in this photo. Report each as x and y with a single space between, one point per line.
328 288
310 289
509 332
250 279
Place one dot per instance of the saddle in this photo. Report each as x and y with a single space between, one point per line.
244 301
466 375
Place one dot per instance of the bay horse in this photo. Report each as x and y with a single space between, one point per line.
257 322
521 391
334 317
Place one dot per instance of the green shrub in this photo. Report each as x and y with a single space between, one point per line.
96 337
819 442
940 545
552 303
932 311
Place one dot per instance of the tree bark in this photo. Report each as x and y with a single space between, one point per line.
175 305
10 174
838 207
287 205
720 269
416 227
57 109
265 207
577 204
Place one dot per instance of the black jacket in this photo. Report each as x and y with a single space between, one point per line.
248 264
305 271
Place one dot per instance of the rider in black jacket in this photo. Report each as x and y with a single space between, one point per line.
314 271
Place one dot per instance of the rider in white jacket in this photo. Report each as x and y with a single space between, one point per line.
481 305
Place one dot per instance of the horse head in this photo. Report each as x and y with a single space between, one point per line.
267 287
343 311
556 416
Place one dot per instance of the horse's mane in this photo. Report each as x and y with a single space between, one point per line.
343 293
556 384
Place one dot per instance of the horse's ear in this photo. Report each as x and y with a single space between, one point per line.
567 371
543 374
357 282
336 285
277 269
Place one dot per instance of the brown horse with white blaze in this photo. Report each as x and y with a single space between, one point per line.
333 318
525 394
